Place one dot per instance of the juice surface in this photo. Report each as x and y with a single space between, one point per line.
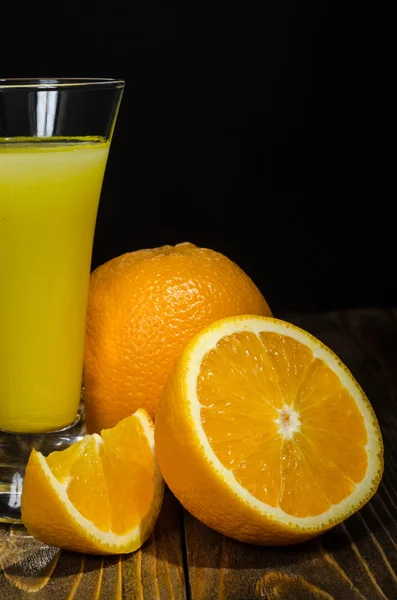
49 194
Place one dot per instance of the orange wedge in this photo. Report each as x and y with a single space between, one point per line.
101 496
264 435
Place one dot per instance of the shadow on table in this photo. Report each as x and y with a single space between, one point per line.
208 549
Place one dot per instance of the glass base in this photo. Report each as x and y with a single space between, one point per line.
15 449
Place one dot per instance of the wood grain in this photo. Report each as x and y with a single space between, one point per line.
155 572
357 560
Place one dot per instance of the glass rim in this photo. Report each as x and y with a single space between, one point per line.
54 83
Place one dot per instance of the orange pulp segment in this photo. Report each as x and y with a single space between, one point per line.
285 426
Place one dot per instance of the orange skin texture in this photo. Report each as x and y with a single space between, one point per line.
143 308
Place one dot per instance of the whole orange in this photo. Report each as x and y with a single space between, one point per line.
143 308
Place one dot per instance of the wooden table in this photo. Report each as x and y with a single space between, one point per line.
185 559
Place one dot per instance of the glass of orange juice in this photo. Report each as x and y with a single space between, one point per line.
55 136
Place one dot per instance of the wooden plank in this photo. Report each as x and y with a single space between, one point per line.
155 572
222 568
357 560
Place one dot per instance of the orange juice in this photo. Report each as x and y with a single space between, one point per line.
49 193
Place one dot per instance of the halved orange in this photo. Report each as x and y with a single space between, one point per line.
264 435
102 495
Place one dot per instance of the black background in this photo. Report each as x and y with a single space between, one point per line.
267 136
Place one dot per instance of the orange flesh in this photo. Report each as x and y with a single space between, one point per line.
129 470
282 422
109 481
80 469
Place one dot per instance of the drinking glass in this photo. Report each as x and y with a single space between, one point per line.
55 136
